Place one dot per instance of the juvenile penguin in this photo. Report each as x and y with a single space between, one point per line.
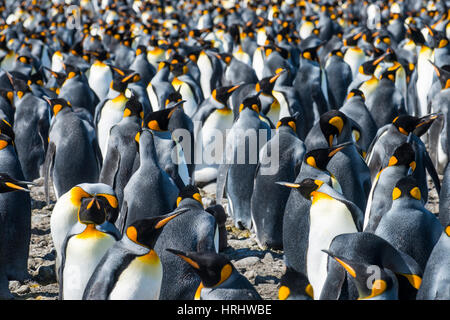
435 281
131 269
194 230
150 191
84 247
330 214
408 226
69 133
219 278
280 160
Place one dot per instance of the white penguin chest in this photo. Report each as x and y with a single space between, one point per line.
111 114
141 280
328 218
82 257
63 218
219 120
100 78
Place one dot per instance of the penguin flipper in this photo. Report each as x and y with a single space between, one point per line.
222 174
332 287
432 171
98 111
48 164
43 129
110 167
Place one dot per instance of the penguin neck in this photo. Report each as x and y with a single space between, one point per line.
148 155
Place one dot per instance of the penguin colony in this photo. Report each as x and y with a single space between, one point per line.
352 97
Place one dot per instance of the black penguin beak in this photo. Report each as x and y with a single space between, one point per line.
169 217
184 256
338 148
179 103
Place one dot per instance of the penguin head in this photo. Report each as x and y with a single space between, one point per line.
306 187
20 88
310 54
404 155
331 124
122 77
9 184
362 274
141 50
133 107
406 187
352 39
389 74
443 75
7 129
36 78
407 124
356 93
225 57
59 77
219 214
92 211
179 68
222 94
58 104
287 122
252 103
212 268
319 158
173 97
439 39
368 67
189 192
295 285
265 85
145 232
71 71
159 120
415 35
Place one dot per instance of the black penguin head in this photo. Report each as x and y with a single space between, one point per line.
407 124
251 102
310 54
59 76
189 192
159 120
222 94
21 87
219 214
122 77
141 50
361 275
212 268
443 75
406 187
174 97
404 155
24 59
306 187
225 57
336 52
9 184
179 69
368 67
415 35
58 104
266 85
332 124
133 107
7 129
355 93
145 232
36 78
295 285
352 40
71 71
389 74
439 39
287 122
92 211
319 158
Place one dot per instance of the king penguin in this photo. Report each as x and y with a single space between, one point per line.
131 269
330 214
84 247
219 278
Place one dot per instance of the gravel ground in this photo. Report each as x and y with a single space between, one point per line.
262 267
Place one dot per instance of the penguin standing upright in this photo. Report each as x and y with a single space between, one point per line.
194 230
150 190
84 247
100 74
8 225
408 226
31 127
119 162
64 214
330 215
339 77
69 133
435 281
220 279
379 200
210 72
244 141
131 269
268 200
